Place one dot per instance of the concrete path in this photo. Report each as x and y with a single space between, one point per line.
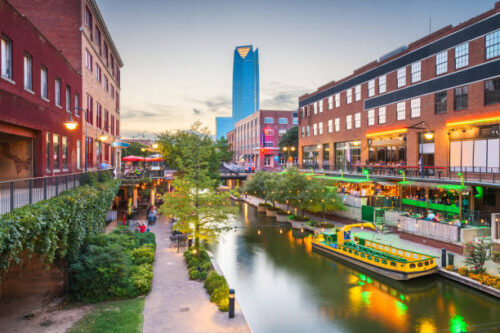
177 304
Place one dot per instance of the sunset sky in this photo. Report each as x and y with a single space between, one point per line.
178 54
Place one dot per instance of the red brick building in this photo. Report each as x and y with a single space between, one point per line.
78 30
447 84
37 88
255 139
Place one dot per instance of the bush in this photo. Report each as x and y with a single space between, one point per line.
146 238
219 294
142 278
300 218
198 266
143 255
214 281
194 274
264 204
223 304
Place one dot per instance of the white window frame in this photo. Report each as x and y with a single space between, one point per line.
68 98
416 71
371 117
320 106
442 62
28 72
348 122
371 88
77 104
348 96
315 108
492 44
295 120
330 125
357 93
320 128
337 100
88 60
401 76
462 55
415 108
268 120
401 111
283 121
382 115
6 54
57 91
337 124
382 84
315 129
357 120
44 83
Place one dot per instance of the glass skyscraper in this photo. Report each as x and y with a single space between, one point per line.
223 125
245 82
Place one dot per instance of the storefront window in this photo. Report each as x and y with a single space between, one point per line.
387 151
57 158
326 153
48 145
310 155
65 152
347 153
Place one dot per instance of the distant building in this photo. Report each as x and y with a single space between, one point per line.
37 86
222 126
245 82
255 139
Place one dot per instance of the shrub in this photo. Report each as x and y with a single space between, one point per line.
223 304
143 255
194 274
476 254
464 271
214 281
264 204
300 218
146 238
142 278
219 294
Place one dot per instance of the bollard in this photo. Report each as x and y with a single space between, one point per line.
231 303
451 258
443 257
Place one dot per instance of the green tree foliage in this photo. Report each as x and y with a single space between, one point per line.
256 184
202 211
224 154
476 254
136 149
290 139
320 199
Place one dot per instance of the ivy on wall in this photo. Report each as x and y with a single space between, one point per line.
56 228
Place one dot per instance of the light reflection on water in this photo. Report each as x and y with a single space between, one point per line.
283 286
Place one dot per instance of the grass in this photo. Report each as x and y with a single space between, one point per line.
118 316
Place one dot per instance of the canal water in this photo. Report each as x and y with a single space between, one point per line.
283 286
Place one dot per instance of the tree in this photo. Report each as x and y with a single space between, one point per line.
256 184
136 149
202 211
320 198
290 139
476 254
222 148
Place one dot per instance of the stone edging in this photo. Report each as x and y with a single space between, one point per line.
219 271
469 282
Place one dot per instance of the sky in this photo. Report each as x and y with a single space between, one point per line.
178 54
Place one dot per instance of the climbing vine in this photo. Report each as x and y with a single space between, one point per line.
55 229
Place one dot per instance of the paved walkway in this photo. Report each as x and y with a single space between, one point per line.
177 304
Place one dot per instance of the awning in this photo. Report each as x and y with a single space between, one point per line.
449 187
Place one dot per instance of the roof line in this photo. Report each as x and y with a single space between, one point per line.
100 19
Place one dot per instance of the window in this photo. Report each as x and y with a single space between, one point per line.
268 120
492 91
112 125
44 87
371 88
401 77
357 92
282 132
320 106
337 100
106 53
382 87
88 19
478 155
440 100
6 46
416 69
117 128
315 129
348 96
308 130
441 62
88 60
295 120
283 121
106 83
269 132
348 122
303 131
112 91
77 104
65 153
320 128
98 39
68 98
57 91
462 56
371 117
98 119
357 120
382 115
78 154
48 154
315 106
330 102
28 72
337 124
90 110
461 98
401 111
106 120
57 157
492 44
98 73
415 108
330 126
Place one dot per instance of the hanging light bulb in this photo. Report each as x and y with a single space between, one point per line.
258 232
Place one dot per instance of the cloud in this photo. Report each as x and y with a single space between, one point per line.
196 111
133 113
218 105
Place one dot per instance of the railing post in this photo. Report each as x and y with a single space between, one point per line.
57 186
74 180
11 196
67 182
30 185
45 188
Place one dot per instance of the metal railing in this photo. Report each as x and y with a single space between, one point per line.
470 174
20 192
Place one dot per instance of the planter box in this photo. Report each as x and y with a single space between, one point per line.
282 218
261 209
270 213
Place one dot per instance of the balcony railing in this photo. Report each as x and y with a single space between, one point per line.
20 192
486 175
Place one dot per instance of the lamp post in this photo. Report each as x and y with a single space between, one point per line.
72 125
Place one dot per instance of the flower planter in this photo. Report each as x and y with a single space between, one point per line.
282 218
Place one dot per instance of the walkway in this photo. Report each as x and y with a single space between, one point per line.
177 304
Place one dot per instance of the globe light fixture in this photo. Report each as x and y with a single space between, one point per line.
103 137
428 135
70 124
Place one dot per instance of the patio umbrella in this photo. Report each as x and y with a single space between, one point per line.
132 158
153 159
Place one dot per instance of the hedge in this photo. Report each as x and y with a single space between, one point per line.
56 228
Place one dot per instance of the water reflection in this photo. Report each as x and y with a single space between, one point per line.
283 286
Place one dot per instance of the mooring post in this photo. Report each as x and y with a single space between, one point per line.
231 303
443 257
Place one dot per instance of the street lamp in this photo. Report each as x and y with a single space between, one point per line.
72 125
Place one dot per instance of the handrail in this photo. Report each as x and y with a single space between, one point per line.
51 176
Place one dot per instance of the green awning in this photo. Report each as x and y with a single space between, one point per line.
449 187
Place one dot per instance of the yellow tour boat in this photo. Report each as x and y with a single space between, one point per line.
398 264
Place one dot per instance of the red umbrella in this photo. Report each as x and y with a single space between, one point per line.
132 158
153 159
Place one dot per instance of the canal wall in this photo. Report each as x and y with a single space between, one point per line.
469 282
